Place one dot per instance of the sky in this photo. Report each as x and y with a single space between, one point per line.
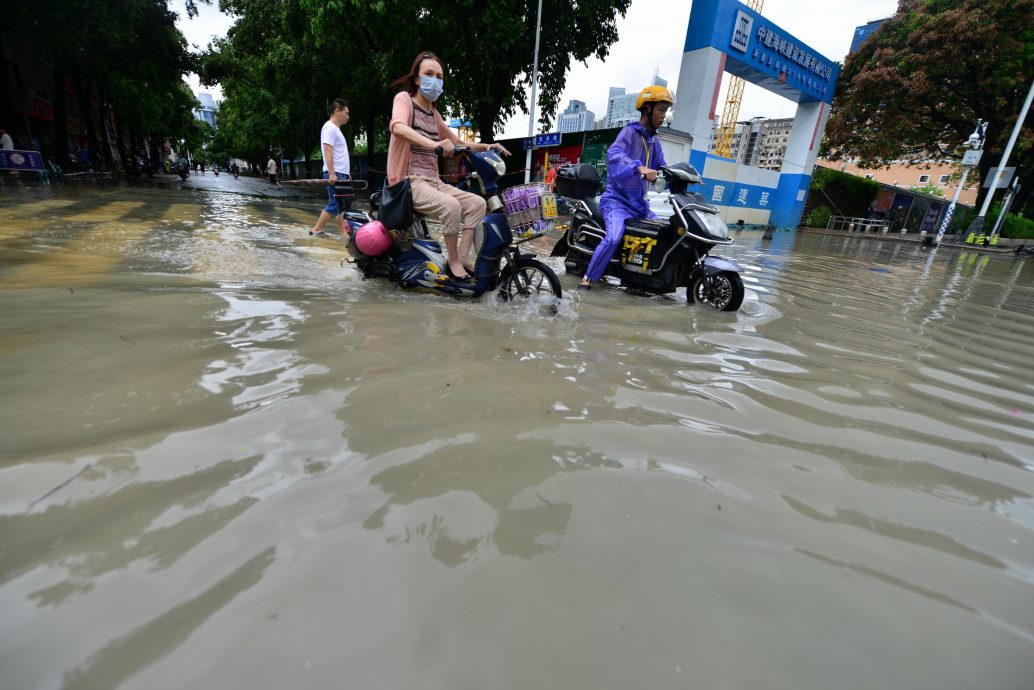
651 36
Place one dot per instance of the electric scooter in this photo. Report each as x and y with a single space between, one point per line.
416 261
655 256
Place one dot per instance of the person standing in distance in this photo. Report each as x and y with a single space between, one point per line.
6 143
336 166
271 171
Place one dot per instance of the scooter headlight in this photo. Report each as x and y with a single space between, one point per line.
713 224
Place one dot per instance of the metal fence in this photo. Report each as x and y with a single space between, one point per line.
865 225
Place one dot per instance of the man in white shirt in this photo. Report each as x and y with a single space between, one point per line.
6 143
335 165
270 171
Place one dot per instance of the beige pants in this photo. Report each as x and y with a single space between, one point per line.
455 209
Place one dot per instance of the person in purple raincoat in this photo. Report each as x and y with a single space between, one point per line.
632 163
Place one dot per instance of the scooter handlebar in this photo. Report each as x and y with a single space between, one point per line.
456 150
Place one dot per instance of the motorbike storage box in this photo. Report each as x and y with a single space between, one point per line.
645 243
578 181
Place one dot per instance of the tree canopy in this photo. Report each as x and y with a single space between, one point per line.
286 59
916 88
127 53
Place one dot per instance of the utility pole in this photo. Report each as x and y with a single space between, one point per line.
978 223
534 96
1013 191
969 160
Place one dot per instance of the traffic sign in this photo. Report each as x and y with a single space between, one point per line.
543 140
20 160
1004 181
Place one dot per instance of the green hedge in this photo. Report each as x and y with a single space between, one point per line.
850 194
1018 227
1014 227
818 217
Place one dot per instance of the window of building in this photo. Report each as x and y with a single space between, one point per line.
944 179
923 179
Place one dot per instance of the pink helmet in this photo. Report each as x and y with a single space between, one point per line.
373 239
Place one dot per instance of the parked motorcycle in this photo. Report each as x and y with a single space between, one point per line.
141 165
655 256
413 260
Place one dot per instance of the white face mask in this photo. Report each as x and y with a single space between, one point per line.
431 87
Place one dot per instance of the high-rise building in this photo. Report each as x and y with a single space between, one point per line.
575 118
621 108
621 105
208 108
775 134
759 142
863 32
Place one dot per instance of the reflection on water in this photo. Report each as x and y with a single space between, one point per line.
227 461
460 499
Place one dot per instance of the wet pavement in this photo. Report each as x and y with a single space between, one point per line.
227 461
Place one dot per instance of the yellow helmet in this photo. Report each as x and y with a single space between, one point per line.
654 94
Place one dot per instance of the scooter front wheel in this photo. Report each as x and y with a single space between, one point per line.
721 291
531 279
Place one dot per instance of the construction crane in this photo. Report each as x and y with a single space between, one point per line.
733 99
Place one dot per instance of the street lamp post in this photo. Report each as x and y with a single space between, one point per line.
969 160
534 95
1013 189
979 222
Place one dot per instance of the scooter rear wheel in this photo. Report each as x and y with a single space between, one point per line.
721 291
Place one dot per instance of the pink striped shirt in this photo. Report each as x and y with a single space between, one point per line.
399 149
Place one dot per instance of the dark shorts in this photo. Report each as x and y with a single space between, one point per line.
335 205
272 179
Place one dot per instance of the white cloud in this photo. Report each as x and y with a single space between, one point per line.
653 33
199 31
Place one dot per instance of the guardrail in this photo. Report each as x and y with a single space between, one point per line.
864 225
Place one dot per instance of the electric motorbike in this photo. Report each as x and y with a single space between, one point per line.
416 261
655 256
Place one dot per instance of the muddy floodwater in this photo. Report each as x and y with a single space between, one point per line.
227 462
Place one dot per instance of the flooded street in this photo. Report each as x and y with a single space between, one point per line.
228 462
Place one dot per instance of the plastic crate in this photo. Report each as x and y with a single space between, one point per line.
529 209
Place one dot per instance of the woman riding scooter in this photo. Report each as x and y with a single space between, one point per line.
416 131
632 162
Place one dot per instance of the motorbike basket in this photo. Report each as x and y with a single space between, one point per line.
529 209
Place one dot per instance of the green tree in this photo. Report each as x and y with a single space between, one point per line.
917 86
931 189
488 48
274 80
126 54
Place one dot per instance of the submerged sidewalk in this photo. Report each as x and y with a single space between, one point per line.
1006 246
